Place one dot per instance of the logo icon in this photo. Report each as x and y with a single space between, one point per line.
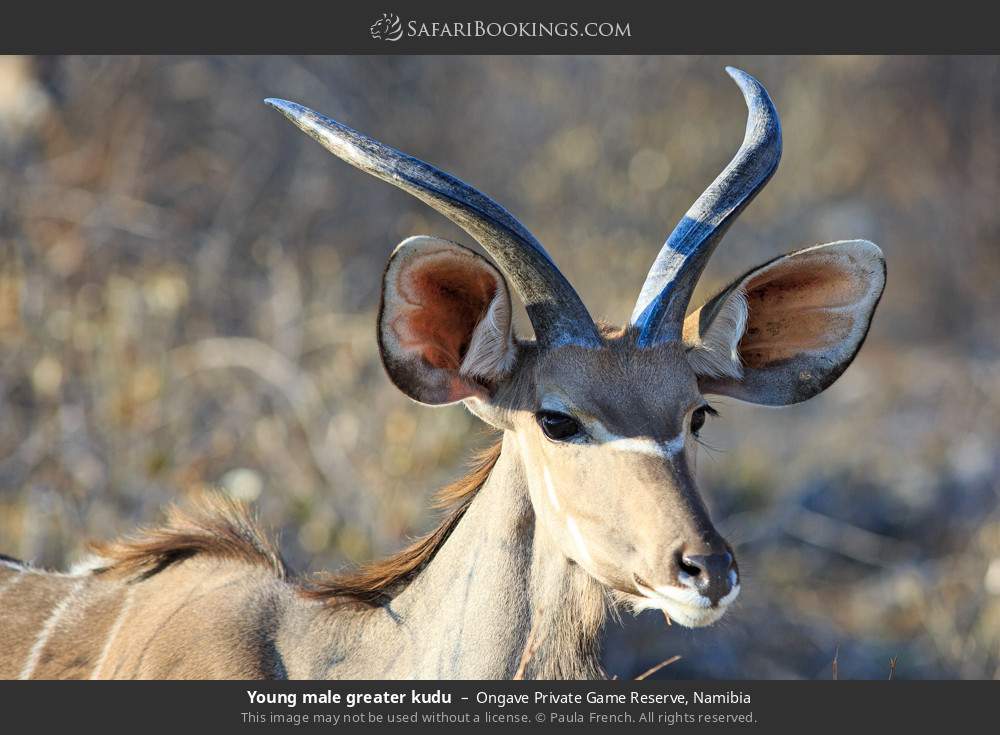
387 28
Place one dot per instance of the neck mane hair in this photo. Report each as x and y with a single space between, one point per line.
377 582
216 526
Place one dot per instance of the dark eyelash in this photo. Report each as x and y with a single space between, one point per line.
710 410
710 447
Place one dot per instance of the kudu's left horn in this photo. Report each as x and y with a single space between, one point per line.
557 314
659 313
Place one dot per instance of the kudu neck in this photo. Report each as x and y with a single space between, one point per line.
503 581
495 582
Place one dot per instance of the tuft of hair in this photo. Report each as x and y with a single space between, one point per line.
213 525
374 584
717 353
490 354
87 565
629 602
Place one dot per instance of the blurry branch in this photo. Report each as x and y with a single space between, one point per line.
847 539
661 665
892 667
819 529
298 390
835 665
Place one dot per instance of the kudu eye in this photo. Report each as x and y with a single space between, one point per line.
558 426
699 416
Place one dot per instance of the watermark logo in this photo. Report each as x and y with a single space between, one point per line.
387 28
390 28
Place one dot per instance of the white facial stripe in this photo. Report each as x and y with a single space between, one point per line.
643 445
616 442
675 445
581 545
553 498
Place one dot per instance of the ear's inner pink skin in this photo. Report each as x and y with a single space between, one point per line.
446 301
795 311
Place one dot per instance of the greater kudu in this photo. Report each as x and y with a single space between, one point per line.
587 501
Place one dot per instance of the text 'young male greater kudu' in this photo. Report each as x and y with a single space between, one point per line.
586 502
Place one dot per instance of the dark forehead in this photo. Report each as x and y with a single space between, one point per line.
632 391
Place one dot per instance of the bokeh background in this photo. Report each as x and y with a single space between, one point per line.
188 289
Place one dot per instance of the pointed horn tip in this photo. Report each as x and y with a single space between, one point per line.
747 83
301 115
285 107
757 99
309 121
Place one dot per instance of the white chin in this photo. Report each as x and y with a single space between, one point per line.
683 613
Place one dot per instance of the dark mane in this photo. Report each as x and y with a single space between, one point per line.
214 525
374 583
12 561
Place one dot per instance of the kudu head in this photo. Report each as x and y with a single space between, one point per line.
606 420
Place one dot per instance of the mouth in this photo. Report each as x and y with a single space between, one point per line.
683 606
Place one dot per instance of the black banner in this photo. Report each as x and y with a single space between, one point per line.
223 707
449 27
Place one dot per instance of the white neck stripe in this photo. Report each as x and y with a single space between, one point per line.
35 654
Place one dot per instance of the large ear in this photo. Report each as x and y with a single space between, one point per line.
444 325
786 331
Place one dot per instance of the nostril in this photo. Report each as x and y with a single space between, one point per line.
690 566
711 574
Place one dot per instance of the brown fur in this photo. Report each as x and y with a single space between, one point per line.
373 583
214 526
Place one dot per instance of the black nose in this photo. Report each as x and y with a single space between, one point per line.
713 575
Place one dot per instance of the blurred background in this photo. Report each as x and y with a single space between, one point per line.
188 289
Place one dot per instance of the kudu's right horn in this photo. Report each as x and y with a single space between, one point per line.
659 313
